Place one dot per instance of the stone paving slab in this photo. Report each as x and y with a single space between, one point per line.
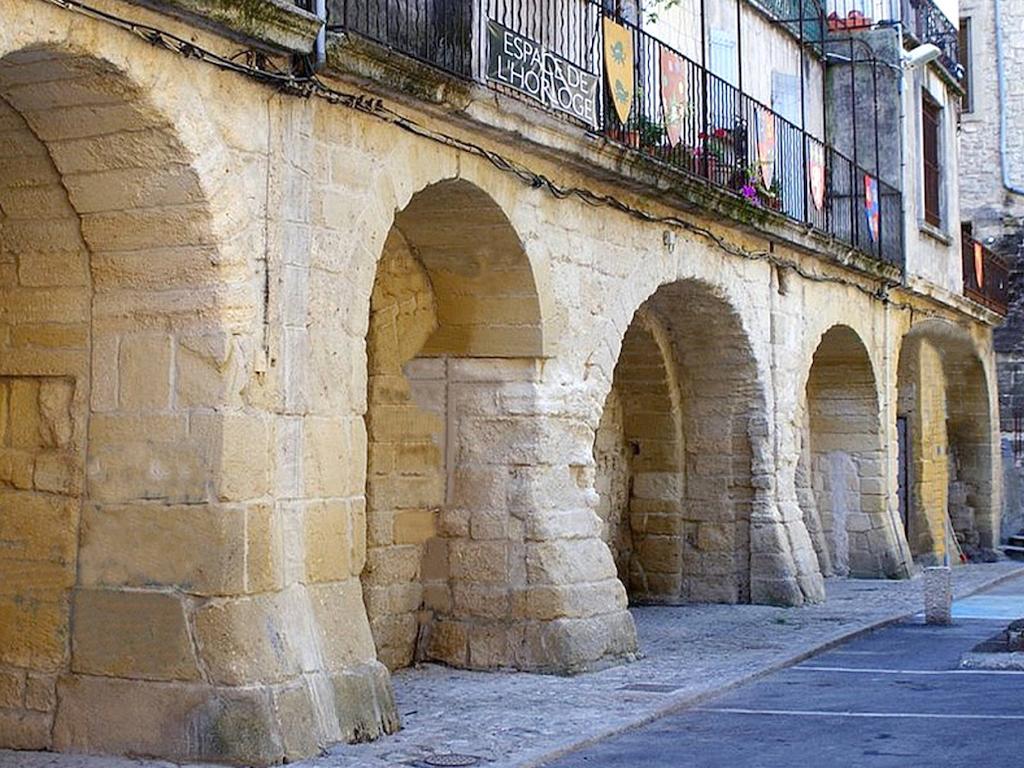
691 652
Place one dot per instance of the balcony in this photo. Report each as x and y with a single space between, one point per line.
986 276
923 22
927 24
551 54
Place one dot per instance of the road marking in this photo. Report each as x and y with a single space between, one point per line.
874 671
820 713
861 653
989 607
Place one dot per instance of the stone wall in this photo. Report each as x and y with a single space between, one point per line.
406 478
846 459
922 401
210 378
995 212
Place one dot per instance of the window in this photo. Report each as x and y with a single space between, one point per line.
723 62
722 59
964 52
931 122
786 96
789 158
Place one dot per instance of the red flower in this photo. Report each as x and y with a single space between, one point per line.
702 135
720 133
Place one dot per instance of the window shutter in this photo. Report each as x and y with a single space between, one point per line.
786 96
722 58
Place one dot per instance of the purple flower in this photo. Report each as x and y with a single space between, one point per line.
748 191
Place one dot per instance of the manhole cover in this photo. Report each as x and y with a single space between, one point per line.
451 760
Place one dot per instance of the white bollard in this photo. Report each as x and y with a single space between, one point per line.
938 595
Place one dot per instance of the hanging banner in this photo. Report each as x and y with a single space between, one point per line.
979 265
618 64
816 175
766 145
871 206
673 94
528 67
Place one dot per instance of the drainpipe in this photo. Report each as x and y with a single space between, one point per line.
902 74
320 46
1001 79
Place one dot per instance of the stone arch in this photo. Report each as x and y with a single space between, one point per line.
841 471
452 346
690 516
943 393
495 204
638 452
150 592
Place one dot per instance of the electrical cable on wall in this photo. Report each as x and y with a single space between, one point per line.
307 86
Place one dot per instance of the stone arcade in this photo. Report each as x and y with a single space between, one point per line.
290 397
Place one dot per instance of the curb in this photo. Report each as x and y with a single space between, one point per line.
686 702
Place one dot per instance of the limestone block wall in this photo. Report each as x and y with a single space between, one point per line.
923 402
641 465
995 212
196 433
613 482
44 396
406 477
846 455
985 200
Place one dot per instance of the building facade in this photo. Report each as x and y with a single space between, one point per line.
512 314
992 195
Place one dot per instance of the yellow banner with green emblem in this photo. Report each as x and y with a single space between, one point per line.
618 64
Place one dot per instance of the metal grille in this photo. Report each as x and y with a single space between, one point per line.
718 130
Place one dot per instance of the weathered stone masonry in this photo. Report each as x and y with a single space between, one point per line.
289 396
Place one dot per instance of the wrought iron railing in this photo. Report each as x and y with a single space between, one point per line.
986 276
922 20
928 24
551 53
805 19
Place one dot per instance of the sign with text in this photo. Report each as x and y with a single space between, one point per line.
528 67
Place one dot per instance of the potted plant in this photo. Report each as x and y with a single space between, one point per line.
756 192
651 132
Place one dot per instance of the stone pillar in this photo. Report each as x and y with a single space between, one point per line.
532 584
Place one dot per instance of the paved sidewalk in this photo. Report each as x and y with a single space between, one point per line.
517 719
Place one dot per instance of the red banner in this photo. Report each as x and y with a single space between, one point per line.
673 94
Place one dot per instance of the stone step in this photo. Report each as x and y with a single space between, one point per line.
1015 552
1016 540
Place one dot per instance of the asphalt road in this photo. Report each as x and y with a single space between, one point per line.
891 698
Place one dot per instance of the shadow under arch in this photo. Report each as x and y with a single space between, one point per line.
676 449
842 464
949 463
453 344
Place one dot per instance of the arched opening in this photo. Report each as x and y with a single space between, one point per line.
842 463
639 458
946 468
453 336
674 450
112 356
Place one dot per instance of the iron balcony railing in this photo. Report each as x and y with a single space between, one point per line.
928 24
986 276
552 55
922 21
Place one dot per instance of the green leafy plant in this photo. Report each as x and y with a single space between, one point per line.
652 132
756 192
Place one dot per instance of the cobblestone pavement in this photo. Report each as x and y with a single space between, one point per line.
691 651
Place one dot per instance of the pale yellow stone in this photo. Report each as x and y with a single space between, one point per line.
132 634
144 371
